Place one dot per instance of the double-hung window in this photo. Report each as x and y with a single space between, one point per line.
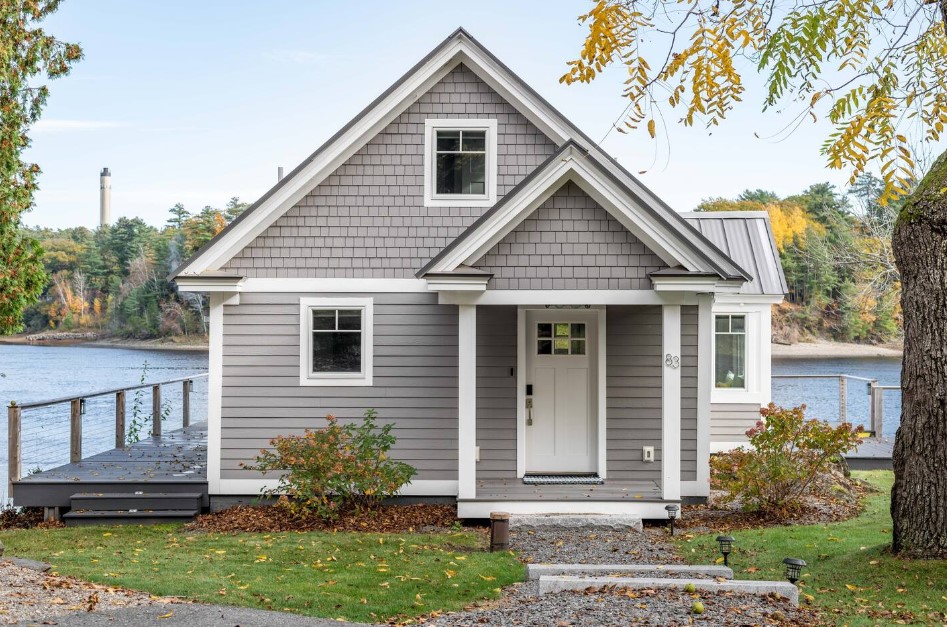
730 353
335 341
460 162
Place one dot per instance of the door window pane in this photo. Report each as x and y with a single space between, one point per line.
562 329
730 351
568 338
578 347
544 329
562 347
544 347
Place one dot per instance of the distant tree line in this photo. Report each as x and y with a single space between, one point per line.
113 279
836 253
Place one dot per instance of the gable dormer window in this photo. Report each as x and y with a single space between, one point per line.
460 163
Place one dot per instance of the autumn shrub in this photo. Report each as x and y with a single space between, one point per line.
336 468
788 455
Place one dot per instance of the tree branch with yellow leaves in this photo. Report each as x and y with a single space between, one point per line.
875 69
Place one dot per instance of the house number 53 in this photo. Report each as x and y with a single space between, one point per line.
672 361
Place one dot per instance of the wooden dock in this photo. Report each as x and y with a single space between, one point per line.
170 463
872 454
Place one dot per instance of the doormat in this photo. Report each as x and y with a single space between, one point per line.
563 480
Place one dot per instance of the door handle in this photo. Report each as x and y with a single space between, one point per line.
529 411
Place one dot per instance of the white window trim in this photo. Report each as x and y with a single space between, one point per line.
471 124
757 382
306 377
746 349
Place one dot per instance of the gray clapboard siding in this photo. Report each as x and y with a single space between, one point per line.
689 393
570 243
633 391
415 380
368 218
496 392
730 421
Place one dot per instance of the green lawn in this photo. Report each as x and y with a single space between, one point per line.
850 575
359 577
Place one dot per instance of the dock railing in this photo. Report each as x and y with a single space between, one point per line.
77 405
876 392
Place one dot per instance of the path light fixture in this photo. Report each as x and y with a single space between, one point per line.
672 511
794 567
726 547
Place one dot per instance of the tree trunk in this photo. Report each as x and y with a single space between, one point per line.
919 496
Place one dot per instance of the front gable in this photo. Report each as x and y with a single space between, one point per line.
368 219
570 242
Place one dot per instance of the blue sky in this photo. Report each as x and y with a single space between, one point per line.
196 102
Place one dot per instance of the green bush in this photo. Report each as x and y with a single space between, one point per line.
328 471
787 457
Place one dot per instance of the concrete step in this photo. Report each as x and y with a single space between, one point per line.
535 571
107 501
559 583
612 522
78 518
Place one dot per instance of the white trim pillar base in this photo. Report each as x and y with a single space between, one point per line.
466 401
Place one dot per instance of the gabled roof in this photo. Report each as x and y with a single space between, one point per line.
459 48
747 238
664 236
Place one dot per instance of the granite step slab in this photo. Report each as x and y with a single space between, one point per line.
535 571
613 522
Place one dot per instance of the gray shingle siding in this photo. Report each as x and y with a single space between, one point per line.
570 243
415 380
496 392
689 393
368 218
633 391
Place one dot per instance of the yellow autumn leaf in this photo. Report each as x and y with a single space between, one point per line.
168 615
487 578
450 573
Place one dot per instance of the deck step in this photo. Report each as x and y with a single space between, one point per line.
560 583
109 501
535 571
77 518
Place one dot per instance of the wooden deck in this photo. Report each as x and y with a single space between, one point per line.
174 462
516 490
872 454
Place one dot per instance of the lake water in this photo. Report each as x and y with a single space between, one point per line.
35 373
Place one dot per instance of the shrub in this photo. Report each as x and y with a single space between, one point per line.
334 469
788 455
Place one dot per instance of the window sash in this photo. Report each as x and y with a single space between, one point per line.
469 169
335 337
730 351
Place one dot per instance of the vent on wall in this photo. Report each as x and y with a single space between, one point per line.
563 480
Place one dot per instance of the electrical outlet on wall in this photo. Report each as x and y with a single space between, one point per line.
647 454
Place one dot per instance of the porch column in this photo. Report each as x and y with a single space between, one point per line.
671 403
466 401
705 333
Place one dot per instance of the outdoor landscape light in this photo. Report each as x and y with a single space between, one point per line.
672 514
794 567
726 546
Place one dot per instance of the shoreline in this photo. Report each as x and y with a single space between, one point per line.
159 344
823 349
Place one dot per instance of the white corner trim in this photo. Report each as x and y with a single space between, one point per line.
248 487
431 126
467 401
601 376
341 286
695 488
521 375
704 382
306 376
215 388
671 402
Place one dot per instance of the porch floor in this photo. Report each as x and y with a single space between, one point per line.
611 490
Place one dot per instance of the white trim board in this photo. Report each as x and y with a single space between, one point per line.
215 386
671 402
431 126
646 510
467 401
419 487
363 286
364 377
541 298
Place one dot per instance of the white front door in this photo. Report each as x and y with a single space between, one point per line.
561 365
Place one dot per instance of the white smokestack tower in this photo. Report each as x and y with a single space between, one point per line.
105 197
